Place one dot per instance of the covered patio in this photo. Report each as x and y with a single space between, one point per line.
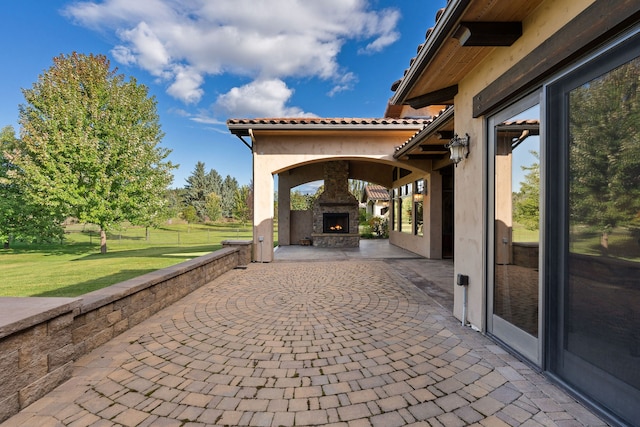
297 151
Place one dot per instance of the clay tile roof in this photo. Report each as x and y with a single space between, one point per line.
426 124
376 192
242 127
522 122
303 121
439 13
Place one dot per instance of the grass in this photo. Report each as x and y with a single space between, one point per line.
622 243
522 234
76 267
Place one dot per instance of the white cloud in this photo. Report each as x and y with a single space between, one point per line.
123 55
346 82
184 41
186 85
147 48
261 98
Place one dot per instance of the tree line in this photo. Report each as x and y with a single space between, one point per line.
89 148
207 197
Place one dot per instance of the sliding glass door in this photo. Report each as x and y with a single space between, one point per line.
594 232
514 227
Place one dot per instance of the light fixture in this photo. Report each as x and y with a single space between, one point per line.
459 148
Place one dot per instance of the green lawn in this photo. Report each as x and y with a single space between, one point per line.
77 267
521 234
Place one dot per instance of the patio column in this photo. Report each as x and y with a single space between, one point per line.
433 215
504 203
262 210
284 209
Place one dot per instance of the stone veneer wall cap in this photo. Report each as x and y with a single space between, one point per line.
19 313
104 296
237 242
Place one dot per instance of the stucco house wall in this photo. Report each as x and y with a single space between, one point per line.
470 194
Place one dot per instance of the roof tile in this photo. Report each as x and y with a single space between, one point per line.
331 121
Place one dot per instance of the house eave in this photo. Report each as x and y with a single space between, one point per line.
443 29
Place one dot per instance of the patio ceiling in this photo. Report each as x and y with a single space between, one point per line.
429 143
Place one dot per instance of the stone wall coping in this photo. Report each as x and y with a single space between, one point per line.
104 296
237 242
19 313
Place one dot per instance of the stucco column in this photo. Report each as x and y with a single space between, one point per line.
262 210
504 202
284 209
433 215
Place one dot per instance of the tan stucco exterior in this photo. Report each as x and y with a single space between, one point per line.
470 194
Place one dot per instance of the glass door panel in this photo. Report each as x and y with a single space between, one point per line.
602 311
514 273
595 238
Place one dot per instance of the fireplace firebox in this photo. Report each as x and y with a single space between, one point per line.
335 222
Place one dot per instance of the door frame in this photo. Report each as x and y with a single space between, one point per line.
519 340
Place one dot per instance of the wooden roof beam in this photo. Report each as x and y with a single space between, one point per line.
433 148
439 97
488 33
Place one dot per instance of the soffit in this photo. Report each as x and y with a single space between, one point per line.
429 143
441 61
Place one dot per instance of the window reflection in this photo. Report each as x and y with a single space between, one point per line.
418 207
603 310
517 219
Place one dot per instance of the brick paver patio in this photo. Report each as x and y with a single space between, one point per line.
305 343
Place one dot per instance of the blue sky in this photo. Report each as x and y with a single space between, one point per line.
206 61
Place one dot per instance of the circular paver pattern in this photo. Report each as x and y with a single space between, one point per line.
281 345
284 344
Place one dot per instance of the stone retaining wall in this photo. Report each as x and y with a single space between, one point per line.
40 338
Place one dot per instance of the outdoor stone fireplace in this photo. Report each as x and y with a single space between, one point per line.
335 211
335 222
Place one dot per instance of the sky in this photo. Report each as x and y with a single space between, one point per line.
206 61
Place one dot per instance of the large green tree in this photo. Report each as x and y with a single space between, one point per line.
227 196
605 151
90 144
212 207
526 202
20 218
199 185
243 204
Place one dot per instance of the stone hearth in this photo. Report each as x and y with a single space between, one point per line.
335 211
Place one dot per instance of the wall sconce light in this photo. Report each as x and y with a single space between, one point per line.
459 148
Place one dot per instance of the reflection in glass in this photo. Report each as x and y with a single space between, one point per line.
418 207
517 219
602 313
406 210
394 209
